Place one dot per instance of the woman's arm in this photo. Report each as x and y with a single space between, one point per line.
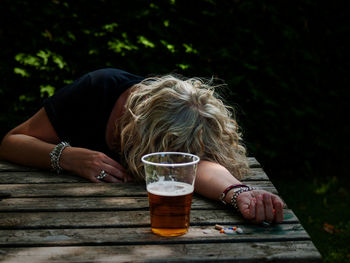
31 142
257 205
212 179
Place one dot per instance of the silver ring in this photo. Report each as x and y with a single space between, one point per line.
102 175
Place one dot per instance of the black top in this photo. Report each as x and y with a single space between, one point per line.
80 111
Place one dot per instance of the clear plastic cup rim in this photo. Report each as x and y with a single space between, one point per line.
196 159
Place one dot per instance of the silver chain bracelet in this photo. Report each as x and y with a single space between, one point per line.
55 156
240 190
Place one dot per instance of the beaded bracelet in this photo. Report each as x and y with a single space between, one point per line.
228 189
55 156
237 193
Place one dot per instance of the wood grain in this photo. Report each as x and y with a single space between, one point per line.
90 189
45 217
8 166
143 235
94 219
288 251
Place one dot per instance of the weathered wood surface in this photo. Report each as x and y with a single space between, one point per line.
44 177
89 189
45 217
12 167
289 251
93 203
108 219
143 235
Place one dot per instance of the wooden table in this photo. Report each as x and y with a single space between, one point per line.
46 217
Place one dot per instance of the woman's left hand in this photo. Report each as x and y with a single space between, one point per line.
260 206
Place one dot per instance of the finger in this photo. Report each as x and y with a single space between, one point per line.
268 207
115 172
252 208
107 175
243 203
113 163
94 179
278 205
259 210
127 178
276 198
111 179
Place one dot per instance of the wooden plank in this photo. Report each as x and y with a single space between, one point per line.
253 163
75 189
256 174
45 177
74 204
38 177
92 203
288 252
143 235
90 189
107 219
9 166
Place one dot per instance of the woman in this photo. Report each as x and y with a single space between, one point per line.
111 118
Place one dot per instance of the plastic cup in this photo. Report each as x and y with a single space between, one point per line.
170 178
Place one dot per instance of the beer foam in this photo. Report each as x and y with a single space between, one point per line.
169 188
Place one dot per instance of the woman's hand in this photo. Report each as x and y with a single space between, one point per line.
89 164
260 206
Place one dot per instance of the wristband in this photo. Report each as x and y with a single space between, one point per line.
237 193
55 156
228 189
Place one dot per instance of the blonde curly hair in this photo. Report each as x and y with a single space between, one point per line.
169 113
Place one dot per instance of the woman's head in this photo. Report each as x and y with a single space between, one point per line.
172 114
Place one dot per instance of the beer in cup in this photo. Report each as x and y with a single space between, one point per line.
170 180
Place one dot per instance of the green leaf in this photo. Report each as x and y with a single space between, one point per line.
110 27
67 81
26 98
58 60
190 49
183 66
71 36
121 46
21 71
143 40
26 59
44 55
170 47
46 89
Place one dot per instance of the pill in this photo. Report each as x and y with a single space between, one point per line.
229 231
239 230
218 227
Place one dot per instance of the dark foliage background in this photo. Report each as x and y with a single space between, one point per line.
285 62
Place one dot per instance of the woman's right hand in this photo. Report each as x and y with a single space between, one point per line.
89 164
